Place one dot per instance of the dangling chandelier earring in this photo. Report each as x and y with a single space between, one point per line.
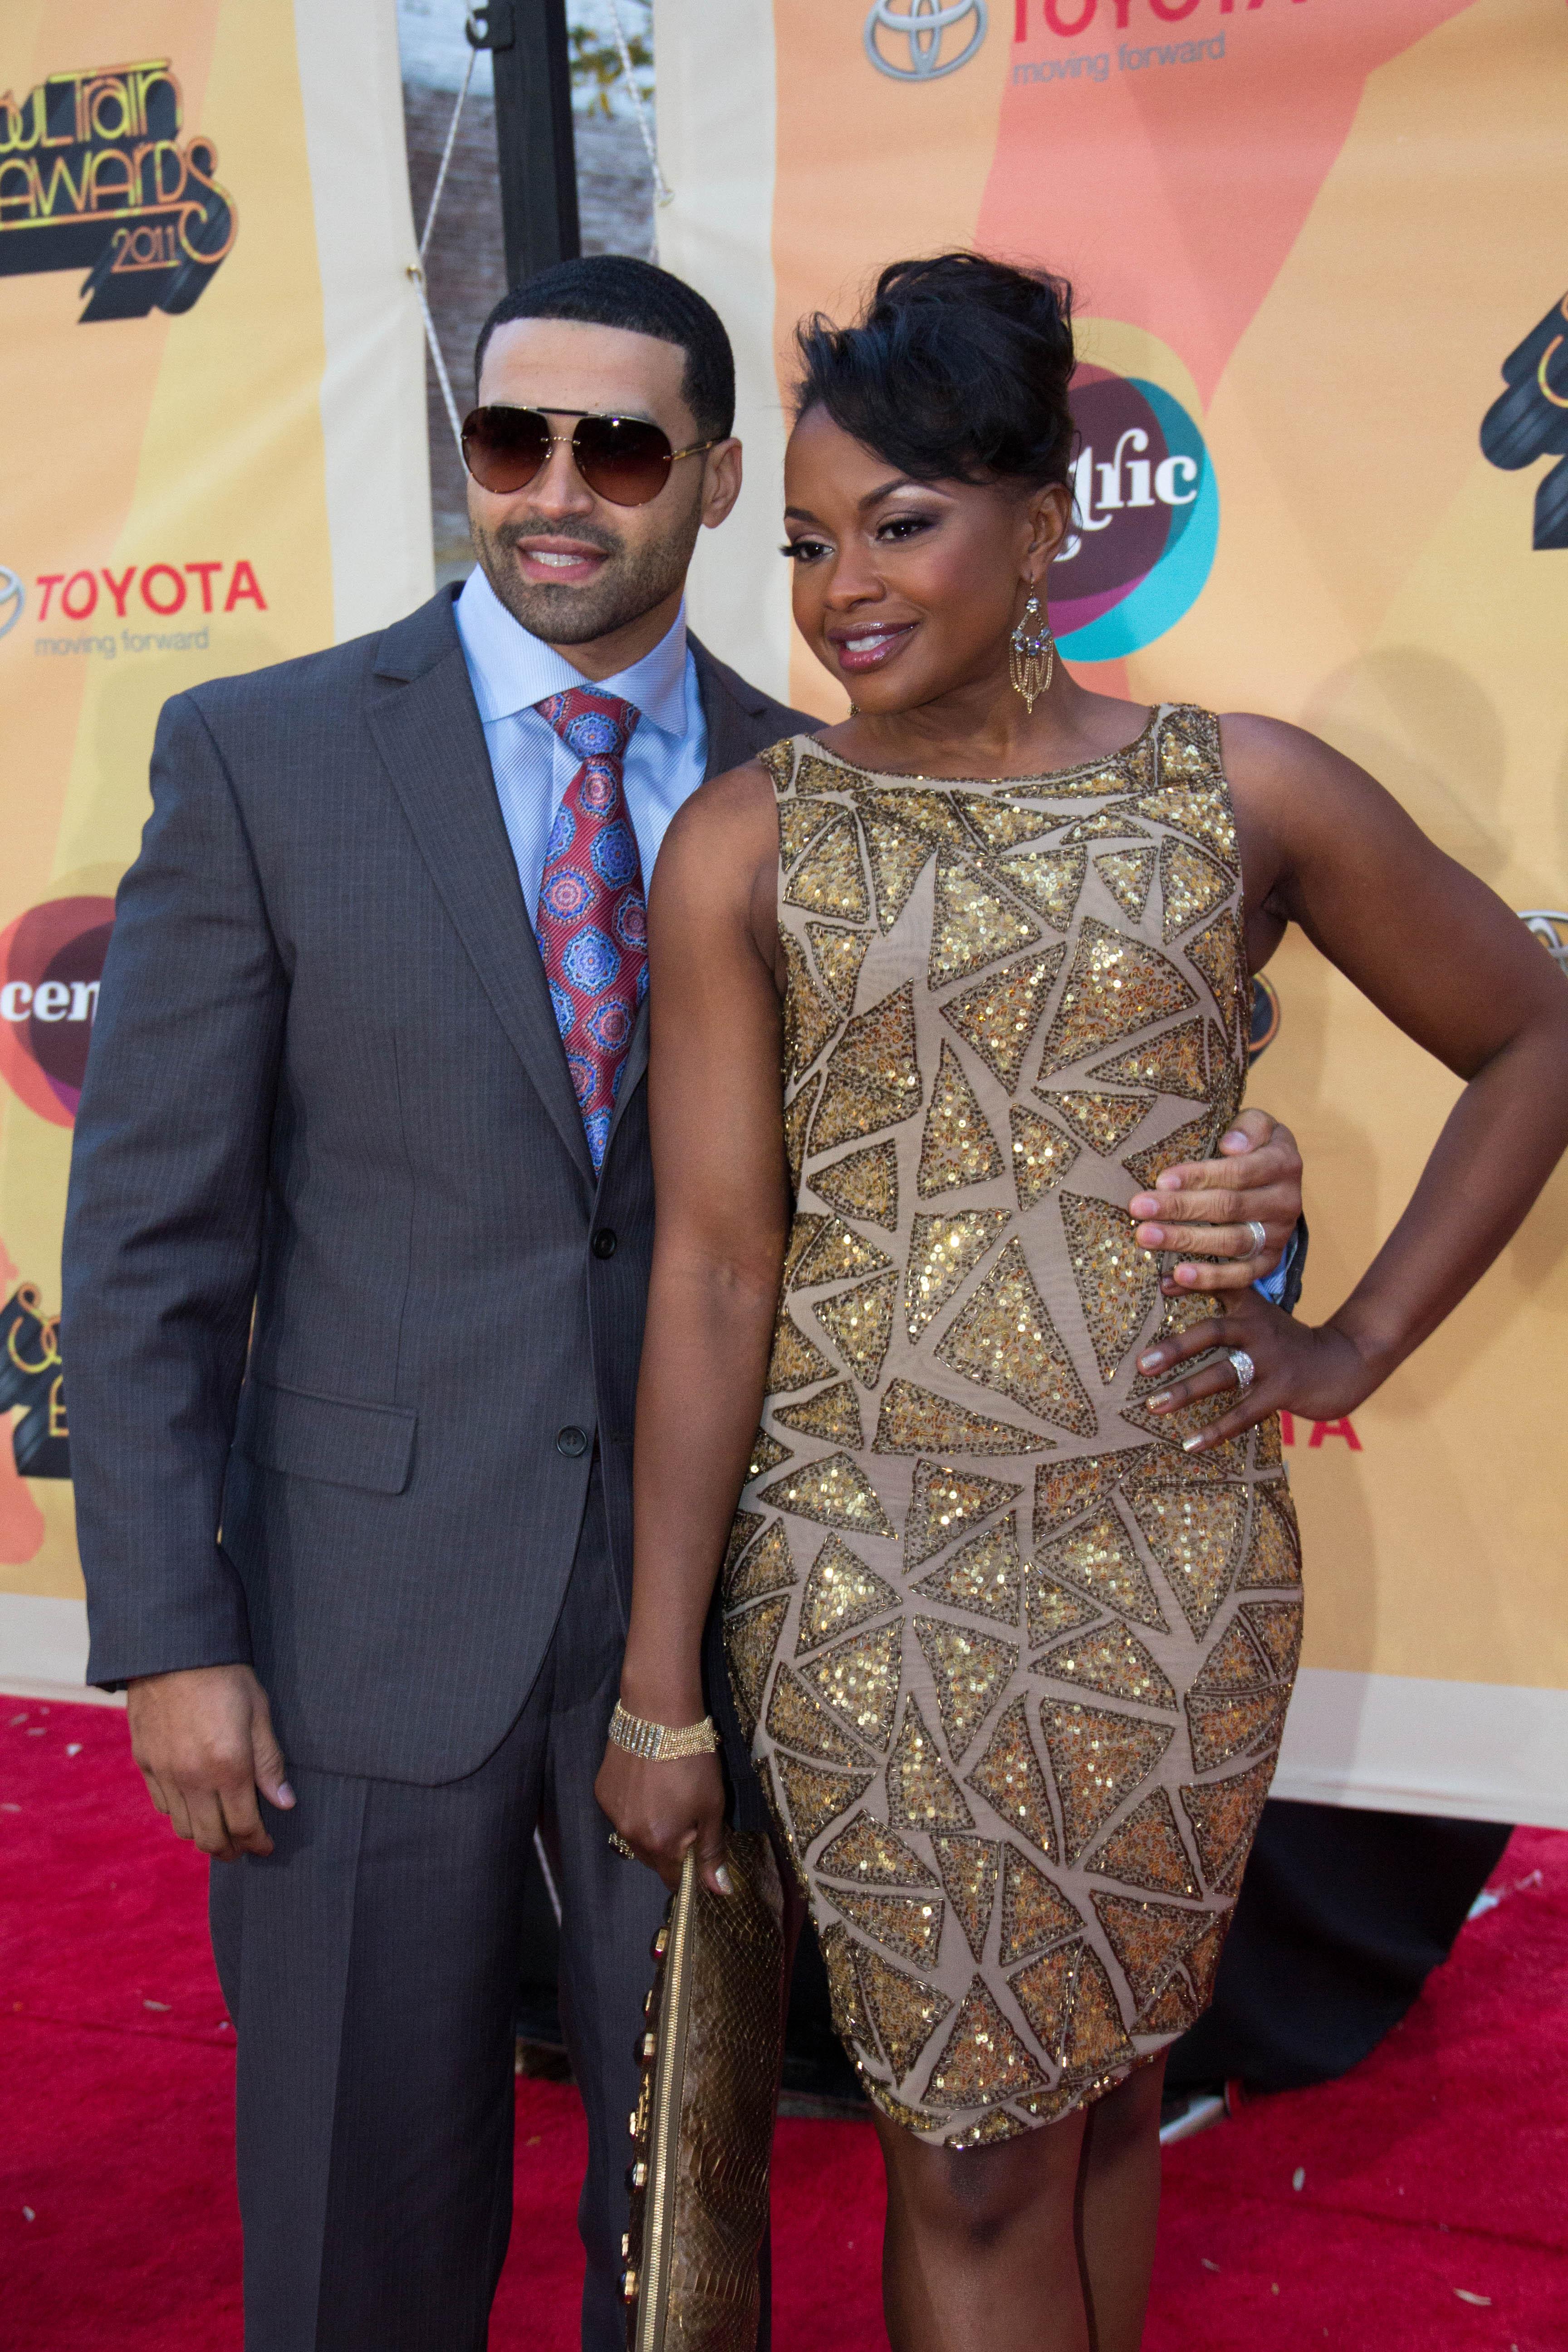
1033 658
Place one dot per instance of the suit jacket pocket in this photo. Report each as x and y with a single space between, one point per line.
335 1439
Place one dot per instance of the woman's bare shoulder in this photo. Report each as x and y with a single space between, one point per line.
1292 777
721 835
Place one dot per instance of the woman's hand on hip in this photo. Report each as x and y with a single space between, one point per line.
660 1809
1316 1372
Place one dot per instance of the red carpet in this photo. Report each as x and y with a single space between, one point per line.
1431 2212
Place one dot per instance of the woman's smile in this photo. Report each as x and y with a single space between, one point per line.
868 645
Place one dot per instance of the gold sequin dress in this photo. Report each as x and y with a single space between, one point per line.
1016 1666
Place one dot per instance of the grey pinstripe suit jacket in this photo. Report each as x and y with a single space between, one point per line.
326 1080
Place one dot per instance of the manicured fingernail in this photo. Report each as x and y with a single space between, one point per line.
1237 1136
1151 1361
722 1881
1151 1236
1169 1181
1191 1444
285 1794
1186 1273
1159 1404
1143 1204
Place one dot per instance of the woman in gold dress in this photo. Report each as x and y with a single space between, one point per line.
1013 1591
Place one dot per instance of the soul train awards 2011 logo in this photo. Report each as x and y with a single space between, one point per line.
1531 420
93 177
51 960
32 1376
1145 504
923 39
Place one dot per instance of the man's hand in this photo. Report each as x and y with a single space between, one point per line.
1206 1205
204 1741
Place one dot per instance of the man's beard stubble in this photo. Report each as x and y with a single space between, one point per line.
630 582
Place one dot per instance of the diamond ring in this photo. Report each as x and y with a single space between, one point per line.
1246 1370
620 1846
1259 1237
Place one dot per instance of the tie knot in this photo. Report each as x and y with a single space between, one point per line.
592 725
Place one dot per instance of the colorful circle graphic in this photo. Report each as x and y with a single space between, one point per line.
52 959
1146 514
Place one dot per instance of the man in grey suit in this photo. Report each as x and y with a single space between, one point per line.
329 1082
357 1253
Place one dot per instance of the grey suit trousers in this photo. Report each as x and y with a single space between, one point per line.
370 1965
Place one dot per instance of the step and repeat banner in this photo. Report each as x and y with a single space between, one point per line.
211 378
1320 261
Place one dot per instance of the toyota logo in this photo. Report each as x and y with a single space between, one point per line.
1550 924
12 598
924 25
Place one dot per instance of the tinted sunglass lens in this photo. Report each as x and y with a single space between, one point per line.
622 458
503 448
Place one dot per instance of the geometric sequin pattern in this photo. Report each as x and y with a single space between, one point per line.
1061 1732
983 1576
945 1503
841 1592
1004 1340
871 1854
957 1148
1098 1758
970 1671
1118 1282
968 1867
1115 986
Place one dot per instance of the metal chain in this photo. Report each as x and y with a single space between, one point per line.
416 268
663 192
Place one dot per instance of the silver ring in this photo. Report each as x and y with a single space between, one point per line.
1246 1370
1259 1237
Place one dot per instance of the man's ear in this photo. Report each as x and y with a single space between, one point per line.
721 482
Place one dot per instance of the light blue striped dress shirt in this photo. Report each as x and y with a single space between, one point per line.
510 671
665 761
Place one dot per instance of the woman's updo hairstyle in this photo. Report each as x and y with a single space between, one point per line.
957 370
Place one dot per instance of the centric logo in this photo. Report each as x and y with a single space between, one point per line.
12 598
52 959
924 25
1145 518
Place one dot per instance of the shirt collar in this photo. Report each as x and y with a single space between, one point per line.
512 669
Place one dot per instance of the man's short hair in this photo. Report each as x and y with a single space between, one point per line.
613 289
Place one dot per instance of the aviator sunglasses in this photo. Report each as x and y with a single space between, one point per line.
622 458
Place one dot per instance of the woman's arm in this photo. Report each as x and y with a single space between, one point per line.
716 1122
1325 847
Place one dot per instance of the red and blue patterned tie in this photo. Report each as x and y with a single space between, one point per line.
592 919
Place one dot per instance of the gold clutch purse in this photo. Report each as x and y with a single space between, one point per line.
702 2128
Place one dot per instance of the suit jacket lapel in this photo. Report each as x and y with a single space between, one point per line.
426 726
732 737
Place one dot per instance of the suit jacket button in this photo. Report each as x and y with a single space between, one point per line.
571 1440
604 1242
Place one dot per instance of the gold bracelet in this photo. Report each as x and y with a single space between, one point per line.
657 1743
